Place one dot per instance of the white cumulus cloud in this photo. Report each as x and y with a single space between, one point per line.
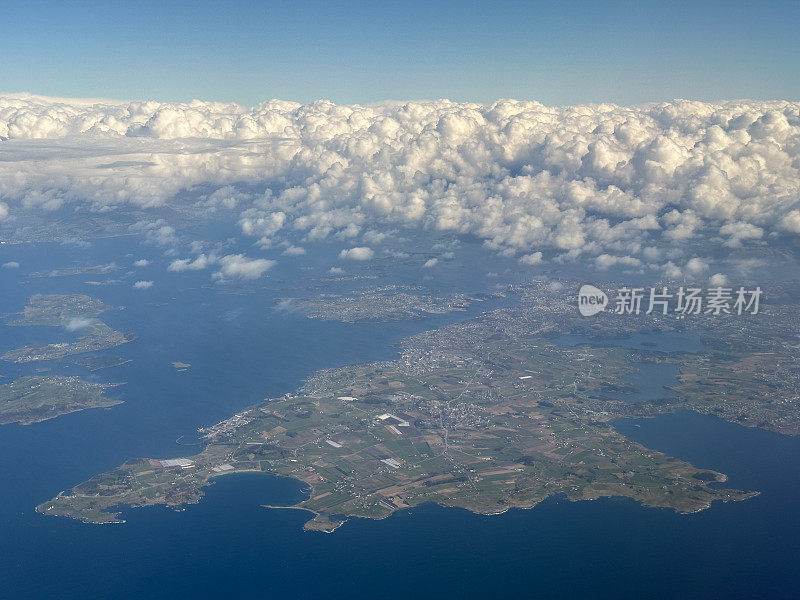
359 253
534 258
613 183
718 279
238 266
187 264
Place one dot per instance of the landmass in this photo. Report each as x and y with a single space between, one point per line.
388 303
29 227
487 415
32 399
96 362
78 270
75 312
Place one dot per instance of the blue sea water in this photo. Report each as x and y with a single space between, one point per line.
227 546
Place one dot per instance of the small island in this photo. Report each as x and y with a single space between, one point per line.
29 400
75 312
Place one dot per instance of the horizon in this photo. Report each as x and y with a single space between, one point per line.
89 101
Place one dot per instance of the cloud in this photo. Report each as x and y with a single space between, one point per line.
11 265
531 259
287 305
740 232
238 266
790 222
607 261
156 232
430 263
142 262
376 237
187 264
143 285
360 253
672 271
696 267
718 280
258 223
231 266
651 253
294 251
77 323
574 181
396 253
336 271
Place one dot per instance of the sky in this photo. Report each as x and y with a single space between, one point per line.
558 53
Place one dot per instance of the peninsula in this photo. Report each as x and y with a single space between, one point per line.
487 415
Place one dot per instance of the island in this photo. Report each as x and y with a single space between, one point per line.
75 312
103 269
29 400
386 303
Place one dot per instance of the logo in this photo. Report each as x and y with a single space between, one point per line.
591 300
716 301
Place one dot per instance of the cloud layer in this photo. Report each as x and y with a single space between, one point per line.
625 186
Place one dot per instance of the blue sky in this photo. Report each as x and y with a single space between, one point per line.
557 53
